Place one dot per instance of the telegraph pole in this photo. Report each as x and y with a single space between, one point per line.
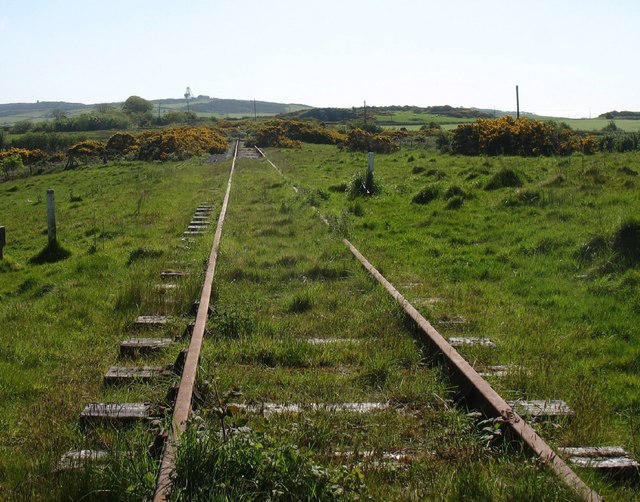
517 103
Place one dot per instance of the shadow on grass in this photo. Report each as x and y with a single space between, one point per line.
52 253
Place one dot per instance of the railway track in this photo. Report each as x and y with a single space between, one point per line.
378 399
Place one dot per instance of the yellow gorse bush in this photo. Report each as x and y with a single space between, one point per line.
179 143
163 144
289 134
525 137
27 156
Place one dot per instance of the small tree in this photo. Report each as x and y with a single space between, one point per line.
21 127
139 109
136 104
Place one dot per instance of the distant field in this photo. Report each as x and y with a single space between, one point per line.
416 127
597 124
413 121
409 117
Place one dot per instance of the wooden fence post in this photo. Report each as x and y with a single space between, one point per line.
51 216
3 241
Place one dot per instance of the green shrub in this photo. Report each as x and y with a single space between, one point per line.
10 164
46 141
21 127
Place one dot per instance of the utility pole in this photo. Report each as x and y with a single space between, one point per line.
365 113
3 241
517 103
255 110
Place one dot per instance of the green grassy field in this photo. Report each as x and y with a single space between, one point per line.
527 266
516 264
409 118
597 124
62 322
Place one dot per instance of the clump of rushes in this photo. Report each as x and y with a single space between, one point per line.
426 195
363 184
455 202
504 178
232 324
626 241
454 190
142 253
300 303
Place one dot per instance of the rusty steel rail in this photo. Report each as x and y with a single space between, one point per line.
483 389
182 407
477 385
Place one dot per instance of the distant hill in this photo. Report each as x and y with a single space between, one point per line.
43 110
220 106
444 111
12 112
389 115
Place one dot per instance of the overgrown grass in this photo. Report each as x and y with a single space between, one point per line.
301 287
519 273
62 321
533 267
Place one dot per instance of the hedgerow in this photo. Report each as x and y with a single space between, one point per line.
617 141
49 142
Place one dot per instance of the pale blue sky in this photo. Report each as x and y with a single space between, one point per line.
568 57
